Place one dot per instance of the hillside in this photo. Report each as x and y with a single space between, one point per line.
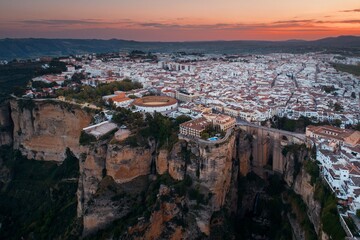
31 48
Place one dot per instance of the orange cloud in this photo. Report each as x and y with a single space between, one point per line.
181 29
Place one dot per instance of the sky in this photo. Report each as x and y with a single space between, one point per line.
179 20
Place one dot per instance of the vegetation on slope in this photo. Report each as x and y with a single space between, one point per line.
329 215
94 95
312 168
143 205
299 125
352 69
267 217
29 48
161 128
15 75
40 200
295 150
299 211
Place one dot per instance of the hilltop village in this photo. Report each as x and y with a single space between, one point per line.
253 88
216 92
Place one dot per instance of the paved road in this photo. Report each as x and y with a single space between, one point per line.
297 135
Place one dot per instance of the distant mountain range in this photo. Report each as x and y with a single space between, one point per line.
32 48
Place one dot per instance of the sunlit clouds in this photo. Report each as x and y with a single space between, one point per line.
232 21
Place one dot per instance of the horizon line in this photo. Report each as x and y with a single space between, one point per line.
189 41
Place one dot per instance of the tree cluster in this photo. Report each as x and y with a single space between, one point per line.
212 130
298 125
94 95
162 129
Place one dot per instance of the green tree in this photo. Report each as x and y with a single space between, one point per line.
338 107
132 96
329 89
211 130
77 77
181 119
353 95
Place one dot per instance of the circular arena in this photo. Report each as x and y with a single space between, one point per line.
155 104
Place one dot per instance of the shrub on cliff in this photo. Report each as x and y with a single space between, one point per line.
194 194
299 208
329 215
312 169
26 104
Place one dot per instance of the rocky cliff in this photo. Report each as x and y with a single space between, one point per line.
208 164
112 166
299 181
303 187
169 220
6 137
124 163
115 179
44 129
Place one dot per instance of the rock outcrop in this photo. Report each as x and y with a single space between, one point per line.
303 187
104 170
244 151
215 168
162 161
92 171
177 164
124 163
169 220
209 164
299 181
44 129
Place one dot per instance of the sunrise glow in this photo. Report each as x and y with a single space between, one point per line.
186 20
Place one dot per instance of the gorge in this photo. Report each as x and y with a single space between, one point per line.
195 190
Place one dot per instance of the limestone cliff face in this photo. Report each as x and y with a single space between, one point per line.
300 183
5 124
162 162
92 166
177 164
215 168
303 187
208 164
260 151
44 130
169 220
104 169
125 163
292 166
244 151
167 211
